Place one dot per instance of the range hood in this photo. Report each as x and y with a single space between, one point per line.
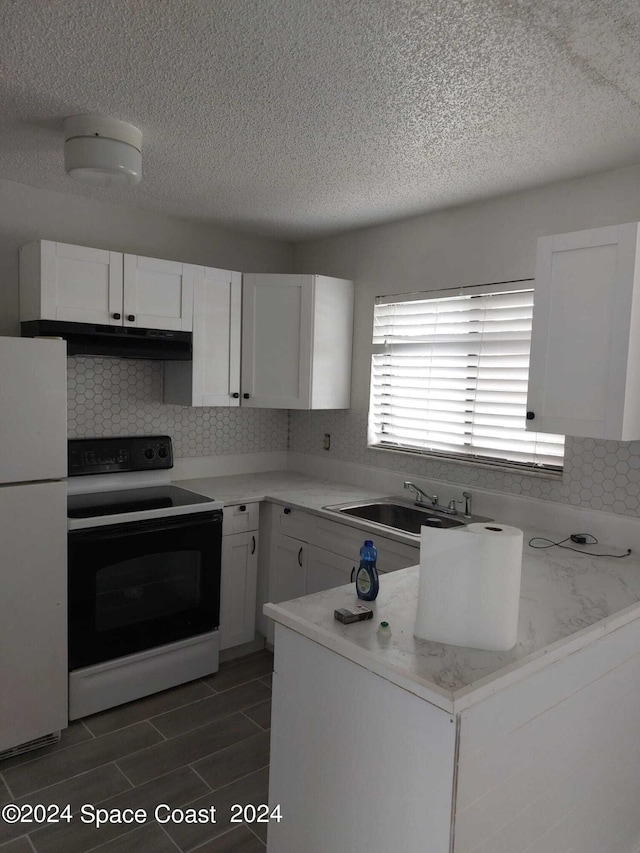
114 341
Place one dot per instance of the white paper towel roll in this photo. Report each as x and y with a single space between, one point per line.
469 592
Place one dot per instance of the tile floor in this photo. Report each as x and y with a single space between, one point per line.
201 744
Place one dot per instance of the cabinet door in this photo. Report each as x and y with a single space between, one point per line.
326 570
158 294
238 589
276 341
77 284
582 375
216 337
287 568
212 377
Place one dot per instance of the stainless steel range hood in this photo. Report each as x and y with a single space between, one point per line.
114 341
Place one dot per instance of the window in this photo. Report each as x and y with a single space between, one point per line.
449 376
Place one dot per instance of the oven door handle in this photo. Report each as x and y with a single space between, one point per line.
114 531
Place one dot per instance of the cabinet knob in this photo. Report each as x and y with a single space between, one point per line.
131 317
246 396
235 395
530 416
116 316
286 510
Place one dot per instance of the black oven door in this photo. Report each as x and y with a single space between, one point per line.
136 586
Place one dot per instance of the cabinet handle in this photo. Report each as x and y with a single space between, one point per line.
286 510
300 556
530 416
131 317
235 395
246 396
253 544
353 571
116 316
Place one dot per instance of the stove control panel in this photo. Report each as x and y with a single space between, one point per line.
117 455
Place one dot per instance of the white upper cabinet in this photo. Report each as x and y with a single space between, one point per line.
158 294
71 283
212 378
82 285
296 341
584 376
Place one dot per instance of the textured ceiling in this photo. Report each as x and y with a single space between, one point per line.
296 118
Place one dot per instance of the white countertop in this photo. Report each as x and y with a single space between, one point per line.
287 487
567 600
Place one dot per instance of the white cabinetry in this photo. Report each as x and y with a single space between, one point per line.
377 752
307 553
584 377
326 570
296 341
78 284
212 378
288 578
239 575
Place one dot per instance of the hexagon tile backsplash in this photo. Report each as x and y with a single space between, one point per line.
124 397
602 475
117 396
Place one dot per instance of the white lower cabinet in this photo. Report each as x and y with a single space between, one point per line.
239 576
326 570
289 567
305 553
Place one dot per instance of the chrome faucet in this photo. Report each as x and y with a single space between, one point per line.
423 499
432 499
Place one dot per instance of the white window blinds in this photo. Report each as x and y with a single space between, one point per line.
449 375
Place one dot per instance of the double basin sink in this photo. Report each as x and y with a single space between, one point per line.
402 516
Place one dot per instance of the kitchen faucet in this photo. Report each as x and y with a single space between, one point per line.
424 499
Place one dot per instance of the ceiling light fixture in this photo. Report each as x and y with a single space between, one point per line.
102 151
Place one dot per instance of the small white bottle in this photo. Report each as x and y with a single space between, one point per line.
384 632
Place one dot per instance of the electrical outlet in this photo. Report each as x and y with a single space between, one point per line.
327 441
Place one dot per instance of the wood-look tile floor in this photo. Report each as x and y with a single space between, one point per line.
201 744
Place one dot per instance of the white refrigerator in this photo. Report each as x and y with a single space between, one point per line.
33 540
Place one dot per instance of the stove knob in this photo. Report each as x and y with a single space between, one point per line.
163 453
149 454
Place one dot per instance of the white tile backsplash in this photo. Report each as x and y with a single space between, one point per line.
117 396
600 475
109 397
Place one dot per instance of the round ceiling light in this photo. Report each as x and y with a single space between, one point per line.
102 151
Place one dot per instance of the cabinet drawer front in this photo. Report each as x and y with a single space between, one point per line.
240 518
346 540
296 523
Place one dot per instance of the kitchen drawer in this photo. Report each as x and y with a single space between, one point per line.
240 518
296 523
346 540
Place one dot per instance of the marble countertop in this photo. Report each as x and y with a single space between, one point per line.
296 490
287 487
567 600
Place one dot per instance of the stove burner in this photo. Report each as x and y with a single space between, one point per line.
96 504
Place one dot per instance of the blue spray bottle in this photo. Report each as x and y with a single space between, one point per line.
367 584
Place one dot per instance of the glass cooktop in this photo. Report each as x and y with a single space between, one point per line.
97 504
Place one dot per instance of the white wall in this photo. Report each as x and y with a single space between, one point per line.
494 240
488 241
27 214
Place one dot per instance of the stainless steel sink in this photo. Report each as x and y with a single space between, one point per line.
391 512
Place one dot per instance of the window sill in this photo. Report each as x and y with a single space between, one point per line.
473 463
